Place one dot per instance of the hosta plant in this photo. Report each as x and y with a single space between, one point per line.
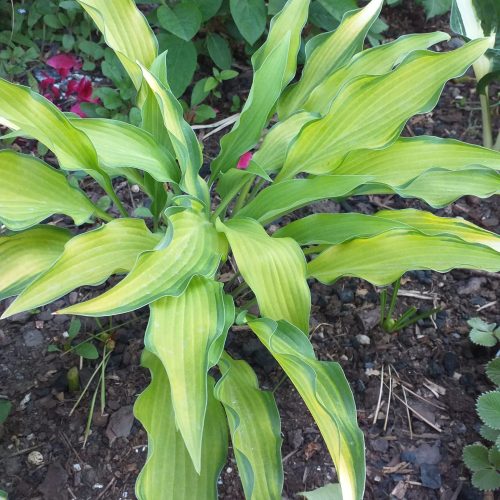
335 133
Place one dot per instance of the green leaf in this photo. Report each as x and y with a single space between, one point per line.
418 155
272 152
475 457
23 256
169 473
219 51
209 8
274 66
255 428
87 351
199 93
183 19
5 408
88 259
204 112
413 87
162 272
489 433
250 17
435 8
483 338
273 268
74 328
325 391
486 480
494 457
488 409
181 59
384 258
493 371
126 31
187 333
279 199
32 191
375 61
120 145
326 53
183 139
479 324
327 492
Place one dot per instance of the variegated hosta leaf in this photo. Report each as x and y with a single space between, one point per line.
384 258
187 333
274 66
88 259
169 473
328 52
31 191
126 31
410 157
478 19
327 492
120 146
375 61
21 108
324 389
191 247
271 154
279 199
442 187
273 268
370 112
255 428
23 256
332 229
184 141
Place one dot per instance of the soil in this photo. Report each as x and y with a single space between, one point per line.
431 372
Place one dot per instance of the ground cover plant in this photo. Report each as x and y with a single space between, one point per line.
337 135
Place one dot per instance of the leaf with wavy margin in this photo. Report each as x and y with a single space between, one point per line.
326 392
169 473
255 428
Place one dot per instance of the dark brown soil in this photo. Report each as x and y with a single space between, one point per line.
431 370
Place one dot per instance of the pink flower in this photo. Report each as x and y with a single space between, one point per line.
63 63
78 110
46 83
244 160
84 90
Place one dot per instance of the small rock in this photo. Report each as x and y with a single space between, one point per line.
345 295
120 423
35 458
450 363
73 298
54 484
33 338
369 318
430 476
363 339
473 285
424 454
296 439
380 445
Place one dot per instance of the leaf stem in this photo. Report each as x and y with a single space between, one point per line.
486 117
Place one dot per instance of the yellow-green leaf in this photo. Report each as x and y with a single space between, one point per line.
187 333
369 112
326 392
375 61
274 65
332 229
191 247
384 258
31 191
328 52
284 197
184 141
409 157
169 473
23 256
273 268
255 428
88 259
120 146
126 31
